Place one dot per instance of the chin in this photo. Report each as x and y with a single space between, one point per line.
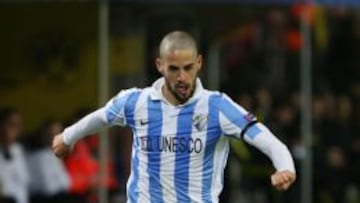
185 99
182 99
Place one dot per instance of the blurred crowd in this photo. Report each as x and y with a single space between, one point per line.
260 63
336 148
262 70
29 171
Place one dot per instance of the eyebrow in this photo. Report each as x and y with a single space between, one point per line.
177 67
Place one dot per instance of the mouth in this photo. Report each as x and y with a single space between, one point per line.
182 88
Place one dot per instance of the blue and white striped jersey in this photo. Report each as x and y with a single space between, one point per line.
179 152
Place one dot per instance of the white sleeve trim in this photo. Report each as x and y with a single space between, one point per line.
273 148
86 126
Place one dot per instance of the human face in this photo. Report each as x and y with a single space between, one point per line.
180 69
11 129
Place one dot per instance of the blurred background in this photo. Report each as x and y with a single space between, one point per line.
295 64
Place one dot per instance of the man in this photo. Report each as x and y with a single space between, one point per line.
181 131
14 177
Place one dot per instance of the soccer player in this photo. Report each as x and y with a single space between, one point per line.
181 132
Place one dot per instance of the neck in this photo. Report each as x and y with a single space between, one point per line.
170 97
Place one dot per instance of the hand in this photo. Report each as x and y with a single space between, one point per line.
282 180
59 148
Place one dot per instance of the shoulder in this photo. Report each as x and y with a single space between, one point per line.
217 98
127 92
122 97
139 97
133 98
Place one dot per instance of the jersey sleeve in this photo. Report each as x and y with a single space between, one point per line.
235 121
276 150
115 108
113 113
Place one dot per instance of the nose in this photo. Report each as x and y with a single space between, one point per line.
181 76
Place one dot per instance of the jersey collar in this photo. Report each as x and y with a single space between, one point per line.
156 93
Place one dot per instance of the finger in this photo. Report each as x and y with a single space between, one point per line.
273 180
279 178
61 155
279 181
60 152
282 178
290 174
292 178
276 181
289 178
280 187
284 186
285 178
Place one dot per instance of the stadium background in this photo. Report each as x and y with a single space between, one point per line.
53 57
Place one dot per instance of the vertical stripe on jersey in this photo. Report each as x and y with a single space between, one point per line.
142 132
184 130
154 155
199 134
167 156
213 134
220 158
129 114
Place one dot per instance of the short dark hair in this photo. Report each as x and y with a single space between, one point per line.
177 40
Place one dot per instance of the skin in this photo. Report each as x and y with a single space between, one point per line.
282 180
180 68
10 129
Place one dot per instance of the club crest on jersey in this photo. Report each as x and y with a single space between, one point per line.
200 121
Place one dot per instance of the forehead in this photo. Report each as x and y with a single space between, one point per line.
179 57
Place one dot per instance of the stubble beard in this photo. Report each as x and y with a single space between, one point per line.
178 97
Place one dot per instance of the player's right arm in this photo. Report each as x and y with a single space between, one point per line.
113 113
89 124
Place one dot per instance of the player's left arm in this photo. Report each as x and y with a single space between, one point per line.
279 154
236 122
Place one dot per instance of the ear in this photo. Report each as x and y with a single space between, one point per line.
199 61
159 66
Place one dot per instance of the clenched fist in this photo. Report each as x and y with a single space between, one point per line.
59 148
282 180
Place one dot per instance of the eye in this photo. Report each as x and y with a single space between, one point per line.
189 67
173 68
